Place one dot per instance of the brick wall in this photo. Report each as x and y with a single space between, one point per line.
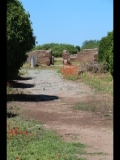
44 56
87 55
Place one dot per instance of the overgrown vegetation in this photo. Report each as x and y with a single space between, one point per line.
105 53
20 38
57 49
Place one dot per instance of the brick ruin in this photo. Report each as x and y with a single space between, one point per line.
41 57
88 59
45 57
86 56
66 57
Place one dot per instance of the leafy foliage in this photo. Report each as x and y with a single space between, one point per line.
105 53
90 44
20 37
57 49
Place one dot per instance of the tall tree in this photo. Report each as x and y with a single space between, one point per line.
20 38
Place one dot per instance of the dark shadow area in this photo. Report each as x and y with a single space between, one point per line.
11 115
23 78
30 98
21 85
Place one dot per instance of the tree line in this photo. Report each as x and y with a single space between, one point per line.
57 49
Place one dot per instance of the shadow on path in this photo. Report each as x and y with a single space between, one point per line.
30 97
23 78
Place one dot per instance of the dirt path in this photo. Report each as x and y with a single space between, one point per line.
53 105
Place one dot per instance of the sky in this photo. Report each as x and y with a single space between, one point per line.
69 21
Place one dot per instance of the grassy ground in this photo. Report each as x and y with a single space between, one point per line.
101 82
28 140
103 108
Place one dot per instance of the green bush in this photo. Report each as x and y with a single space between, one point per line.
20 37
105 52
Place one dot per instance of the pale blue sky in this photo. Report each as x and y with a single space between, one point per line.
69 21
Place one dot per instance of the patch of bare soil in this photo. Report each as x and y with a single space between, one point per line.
52 100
